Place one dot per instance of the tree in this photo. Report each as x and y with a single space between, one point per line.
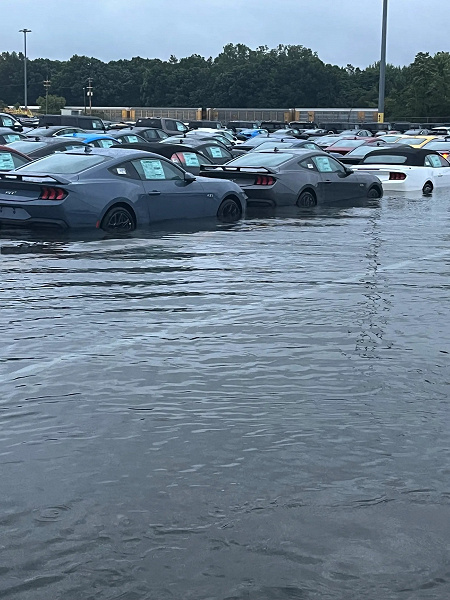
51 105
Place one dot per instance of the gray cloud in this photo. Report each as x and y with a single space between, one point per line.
340 31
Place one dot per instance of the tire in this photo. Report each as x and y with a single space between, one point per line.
118 219
427 188
374 193
306 200
229 211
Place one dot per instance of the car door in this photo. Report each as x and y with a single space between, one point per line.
336 183
440 169
170 196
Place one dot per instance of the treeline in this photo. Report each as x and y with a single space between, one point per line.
287 76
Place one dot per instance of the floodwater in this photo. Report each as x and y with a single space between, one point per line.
247 412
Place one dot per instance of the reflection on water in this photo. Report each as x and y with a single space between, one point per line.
256 411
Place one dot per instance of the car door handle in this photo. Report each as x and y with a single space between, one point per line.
154 193
327 181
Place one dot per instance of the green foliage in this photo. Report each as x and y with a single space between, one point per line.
52 105
287 76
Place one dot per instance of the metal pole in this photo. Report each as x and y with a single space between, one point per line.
25 31
84 98
382 86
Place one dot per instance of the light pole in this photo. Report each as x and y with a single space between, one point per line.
382 86
84 98
25 31
46 85
90 93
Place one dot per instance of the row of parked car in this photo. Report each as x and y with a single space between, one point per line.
132 175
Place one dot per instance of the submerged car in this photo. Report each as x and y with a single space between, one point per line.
39 147
11 159
114 189
7 136
295 177
406 169
187 157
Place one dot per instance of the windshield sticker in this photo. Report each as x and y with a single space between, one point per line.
191 159
153 169
323 164
6 162
11 137
132 139
216 152
121 171
181 127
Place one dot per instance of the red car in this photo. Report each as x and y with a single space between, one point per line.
11 159
345 145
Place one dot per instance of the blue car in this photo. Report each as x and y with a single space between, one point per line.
113 189
97 140
246 134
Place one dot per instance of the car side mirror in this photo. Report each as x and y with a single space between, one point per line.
189 178
348 171
17 127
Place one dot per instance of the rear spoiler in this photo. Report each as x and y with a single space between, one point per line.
18 177
230 169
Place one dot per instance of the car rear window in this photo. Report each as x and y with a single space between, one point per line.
386 159
271 146
27 147
9 161
347 144
410 141
260 159
64 163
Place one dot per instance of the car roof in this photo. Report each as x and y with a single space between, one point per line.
116 152
53 141
414 156
163 149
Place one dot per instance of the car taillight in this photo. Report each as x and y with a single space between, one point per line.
397 176
52 193
445 154
264 180
176 159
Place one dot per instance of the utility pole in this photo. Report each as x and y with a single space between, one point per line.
25 31
46 85
90 93
382 86
84 99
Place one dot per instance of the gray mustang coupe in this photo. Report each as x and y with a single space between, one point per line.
113 189
290 177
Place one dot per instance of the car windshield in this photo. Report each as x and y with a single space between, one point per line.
360 151
27 147
437 146
411 141
63 163
347 144
386 159
258 159
271 146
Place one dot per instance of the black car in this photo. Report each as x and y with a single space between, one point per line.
272 126
85 122
237 126
39 147
203 124
8 135
170 126
150 134
126 138
183 155
53 131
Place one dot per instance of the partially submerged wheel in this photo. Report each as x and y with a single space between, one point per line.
118 219
307 200
229 210
427 188
374 193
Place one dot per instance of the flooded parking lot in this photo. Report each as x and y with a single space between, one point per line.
247 412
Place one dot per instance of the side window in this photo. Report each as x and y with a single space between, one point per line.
180 126
162 135
435 161
7 122
97 124
125 170
171 125
188 159
308 164
309 146
326 164
8 161
130 139
217 152
154 169
104 143
71 147
150 134
11 137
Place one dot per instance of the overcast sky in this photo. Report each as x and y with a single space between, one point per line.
340 31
